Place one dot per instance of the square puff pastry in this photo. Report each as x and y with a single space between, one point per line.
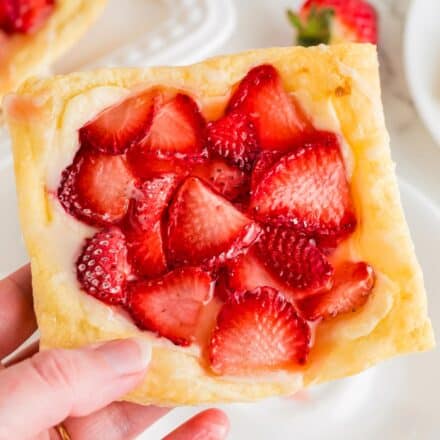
22 56
340 83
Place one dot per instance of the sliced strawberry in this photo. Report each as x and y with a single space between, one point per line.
118 127
96 188
146 252
353 284
266 160
277 117
229 181
307 190
171 306
24 16
295 259
234 138
178 129
150 201
260 332
102 267
204 228
356 21
222 289
246 273
142 226
149 164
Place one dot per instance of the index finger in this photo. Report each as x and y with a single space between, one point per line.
17 318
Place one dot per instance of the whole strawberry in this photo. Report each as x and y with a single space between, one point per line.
334 21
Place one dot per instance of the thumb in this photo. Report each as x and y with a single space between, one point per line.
45 389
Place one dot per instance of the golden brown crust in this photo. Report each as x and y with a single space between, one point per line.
26 55
393 322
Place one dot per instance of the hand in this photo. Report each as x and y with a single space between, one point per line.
38 391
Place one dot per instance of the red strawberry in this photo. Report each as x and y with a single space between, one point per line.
295 259
353 285
278 119
148 164
142 226
334 21
229 181
178 129
307 190
234 138
146 252
259 332
204 228
171 306
102 267
150 202
246 273
96 188
118 127
24 16
265 161
222 289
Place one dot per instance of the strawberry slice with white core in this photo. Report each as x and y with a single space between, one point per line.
234 138
247 272
353 285
258 333
142 226
24 16
277 117
150 201
96 188
295 259
102 268
204 228
171 305
122 125
307 190
266 160
229 181
178 129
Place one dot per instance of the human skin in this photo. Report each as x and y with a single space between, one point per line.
40 390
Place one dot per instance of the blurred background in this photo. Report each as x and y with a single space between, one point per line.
398 399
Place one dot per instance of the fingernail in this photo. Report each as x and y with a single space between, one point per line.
126 356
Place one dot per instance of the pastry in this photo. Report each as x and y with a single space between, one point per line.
242 214
34 33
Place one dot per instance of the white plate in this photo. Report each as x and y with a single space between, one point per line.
397 400
422 61
150 32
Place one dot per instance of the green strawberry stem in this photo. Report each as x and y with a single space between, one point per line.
315 29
